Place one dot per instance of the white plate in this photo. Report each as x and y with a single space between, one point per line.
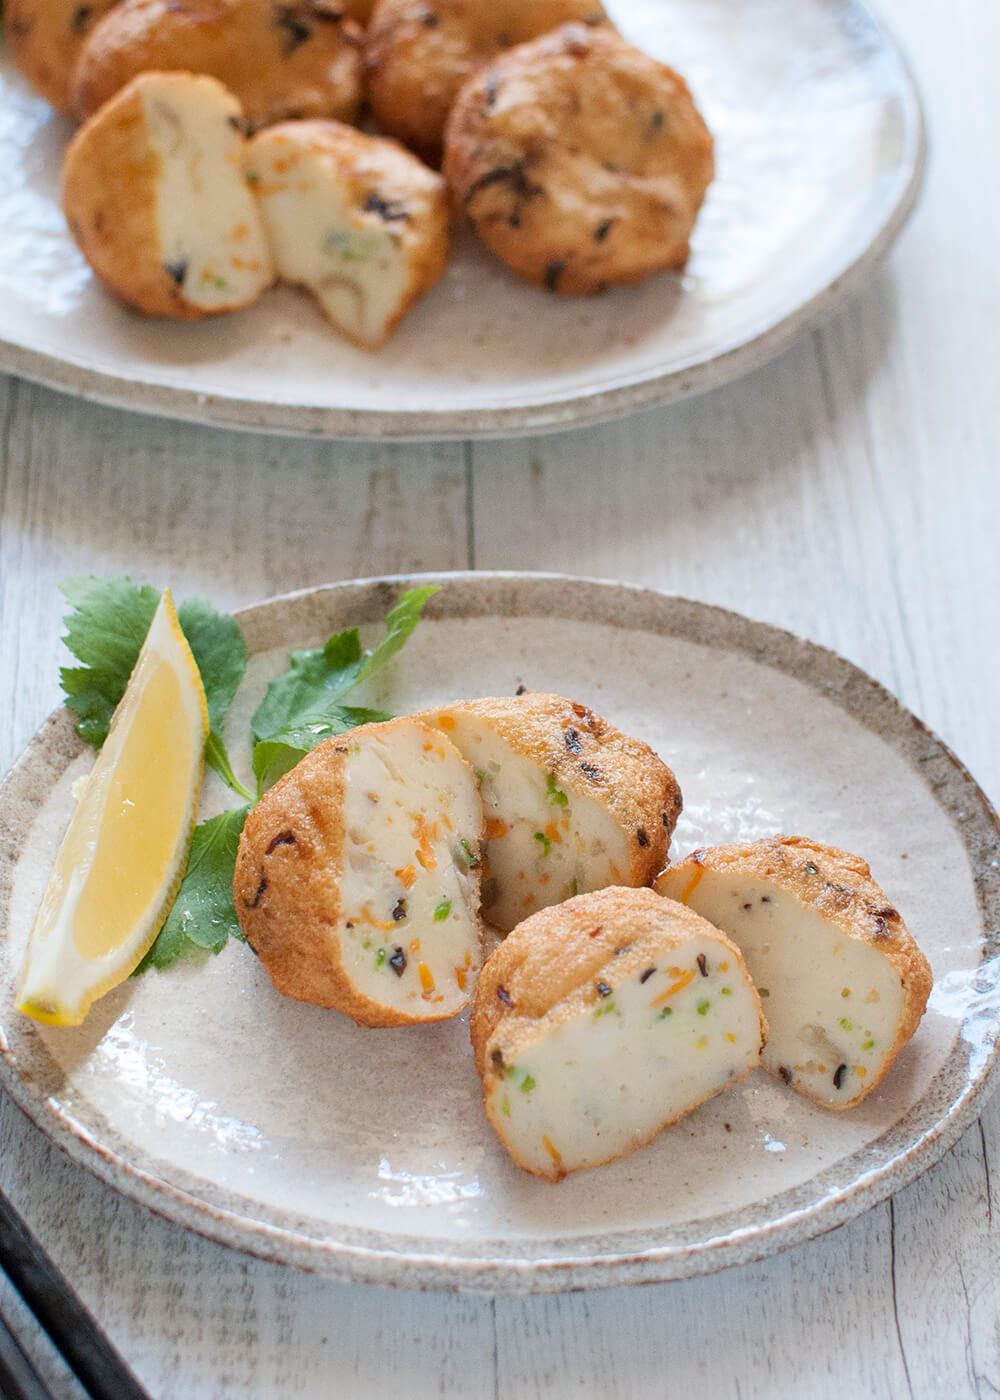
284 1130
820 151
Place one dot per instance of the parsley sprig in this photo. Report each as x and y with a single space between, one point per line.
302 706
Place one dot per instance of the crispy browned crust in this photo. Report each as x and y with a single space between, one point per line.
45 38
360 10
545 973
379 166
302 59
286 885
581 161
592 758
839 886
419 52
109 182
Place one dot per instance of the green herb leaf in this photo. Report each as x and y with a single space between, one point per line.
302 706
546 844
218 646
105 632
203 912
442 911
273 757
216 757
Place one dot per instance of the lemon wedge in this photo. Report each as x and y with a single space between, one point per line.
122 859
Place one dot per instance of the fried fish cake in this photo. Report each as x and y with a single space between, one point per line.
45 38
419 52
355 219
844 983
357 879
154 194
571 803
598 1022
297 59
581 162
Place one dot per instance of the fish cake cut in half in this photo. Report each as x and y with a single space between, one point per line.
356 879
419 52
581 161
45 38
842 981
355 219
571 803
154 194
601 1021
282 60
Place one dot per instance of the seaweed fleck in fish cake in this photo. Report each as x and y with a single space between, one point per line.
581 161
844 984
599 1022
419 52
355 219
357 880
296 59
571 803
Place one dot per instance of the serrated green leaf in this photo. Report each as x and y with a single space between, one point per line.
217 757
220 651
105 632
399 626
203 913
273 757
317 680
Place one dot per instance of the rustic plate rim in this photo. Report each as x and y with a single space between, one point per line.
923 1135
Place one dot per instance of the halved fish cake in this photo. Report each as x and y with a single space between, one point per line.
599 1022
844 984
357 881
154 195
355 219
571 803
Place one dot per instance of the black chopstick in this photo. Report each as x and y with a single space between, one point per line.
18 1378
84 1347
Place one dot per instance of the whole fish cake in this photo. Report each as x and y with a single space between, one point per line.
154 195
581 161
571 803
300 59
844 984
599 1022
356 878
354 219
45 38
419 52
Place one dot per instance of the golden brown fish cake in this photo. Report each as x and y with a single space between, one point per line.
360 10
571 803
420 52
598 1022
45 38
357 877
282 60
154 195
581 161
844 983
356 219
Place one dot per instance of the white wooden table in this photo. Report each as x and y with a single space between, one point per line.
851 492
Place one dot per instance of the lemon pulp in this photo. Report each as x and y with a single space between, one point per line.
123 856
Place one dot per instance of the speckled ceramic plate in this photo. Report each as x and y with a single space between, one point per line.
284 1130
819 150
